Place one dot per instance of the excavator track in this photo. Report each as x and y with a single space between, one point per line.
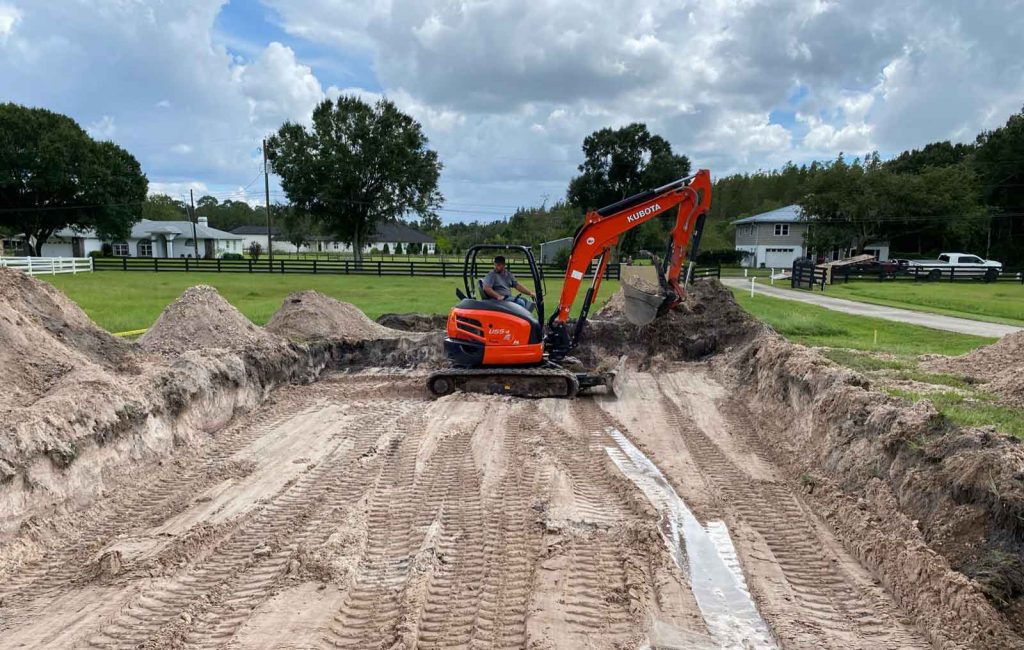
520 382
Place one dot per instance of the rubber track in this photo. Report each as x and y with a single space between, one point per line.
461 375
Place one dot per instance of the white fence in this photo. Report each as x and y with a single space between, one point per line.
47 265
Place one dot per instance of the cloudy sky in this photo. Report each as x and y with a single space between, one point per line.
507 89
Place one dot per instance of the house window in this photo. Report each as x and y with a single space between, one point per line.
145 248
190 243
335 245
781 229
119 249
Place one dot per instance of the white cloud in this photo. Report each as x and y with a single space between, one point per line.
279 88
178 189
103 128
9 18
508 89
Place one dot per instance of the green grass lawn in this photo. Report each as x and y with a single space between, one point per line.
884 350
818 326
999 302
122 301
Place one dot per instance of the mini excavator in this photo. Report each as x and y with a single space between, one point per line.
499 347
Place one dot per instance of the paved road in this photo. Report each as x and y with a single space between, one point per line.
935 321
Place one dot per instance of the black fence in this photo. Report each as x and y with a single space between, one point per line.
706 272
926 274
805 275
410 268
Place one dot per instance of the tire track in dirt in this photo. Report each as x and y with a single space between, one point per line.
587 557
135 507
481 599
344 486
829 601
398 501
242 569
169 490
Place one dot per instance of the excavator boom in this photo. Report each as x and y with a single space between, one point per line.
601 230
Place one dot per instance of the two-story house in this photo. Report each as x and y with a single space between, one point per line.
775 239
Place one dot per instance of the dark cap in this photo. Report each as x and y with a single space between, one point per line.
499 259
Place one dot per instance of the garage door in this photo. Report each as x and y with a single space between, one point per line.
779 257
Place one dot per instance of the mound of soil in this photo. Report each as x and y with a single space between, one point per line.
311 316
707 322
45 338
414 322
199 319
1000 364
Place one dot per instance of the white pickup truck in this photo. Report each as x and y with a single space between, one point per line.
956 265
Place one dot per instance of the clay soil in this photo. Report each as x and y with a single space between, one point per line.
340 506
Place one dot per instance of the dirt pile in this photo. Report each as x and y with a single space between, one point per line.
47 340
1001 365
414 322
311 316
935 510
708 322
199 319
79 405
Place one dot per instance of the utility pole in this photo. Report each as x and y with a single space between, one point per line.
266 190
192 218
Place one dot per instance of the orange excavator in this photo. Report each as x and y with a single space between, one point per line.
498 346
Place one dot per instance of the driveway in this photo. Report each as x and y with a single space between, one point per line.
934 321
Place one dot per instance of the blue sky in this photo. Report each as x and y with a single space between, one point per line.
506 90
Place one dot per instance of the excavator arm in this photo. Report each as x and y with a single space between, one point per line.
601 230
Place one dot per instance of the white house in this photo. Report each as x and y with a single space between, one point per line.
250 234
390 234
775 239
148 239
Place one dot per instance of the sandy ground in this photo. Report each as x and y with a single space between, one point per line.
224 485
357 513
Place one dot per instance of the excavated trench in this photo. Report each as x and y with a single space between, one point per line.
221 484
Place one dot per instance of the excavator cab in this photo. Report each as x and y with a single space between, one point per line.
485 331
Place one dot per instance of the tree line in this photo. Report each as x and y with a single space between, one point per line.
359 164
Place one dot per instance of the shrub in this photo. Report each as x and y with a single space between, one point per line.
96 254
232 256
107 249
387 250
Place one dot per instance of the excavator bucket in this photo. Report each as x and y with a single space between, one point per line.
641 307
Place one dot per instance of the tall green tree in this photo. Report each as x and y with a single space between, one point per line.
54 176
357 166
160 207
999 161
855 204
619 163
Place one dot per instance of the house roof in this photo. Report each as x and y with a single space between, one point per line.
256 230
788 214
147 228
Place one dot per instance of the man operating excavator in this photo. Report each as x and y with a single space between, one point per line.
499 282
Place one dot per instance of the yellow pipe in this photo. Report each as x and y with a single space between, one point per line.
131 332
